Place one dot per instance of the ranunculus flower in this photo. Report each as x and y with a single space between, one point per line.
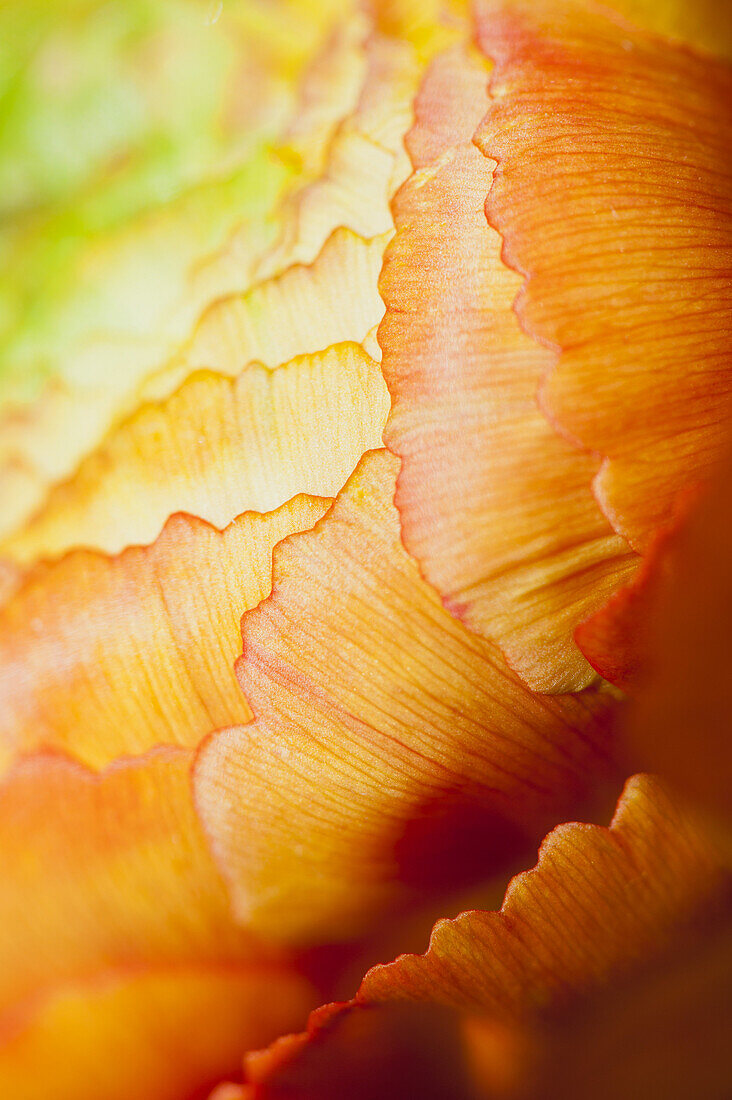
364 384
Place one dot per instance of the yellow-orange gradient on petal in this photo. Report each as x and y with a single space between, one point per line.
495 506
392 751
599 905
106 656
614 198
305 309
216 448
116 939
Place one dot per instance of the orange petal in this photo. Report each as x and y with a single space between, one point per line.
108 871
614 201
620 639
154 1035
384 733
216 448
10 578
108 656
598 901
496 507
663 1033
681 725
599 905
705 24
391 1053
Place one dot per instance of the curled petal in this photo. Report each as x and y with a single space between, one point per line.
614 198
215 448
598 901
384 732
495 506
566 956
104 657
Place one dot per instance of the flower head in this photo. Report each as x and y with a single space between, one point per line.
364 391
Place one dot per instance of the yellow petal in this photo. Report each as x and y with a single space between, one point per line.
104 657
215 448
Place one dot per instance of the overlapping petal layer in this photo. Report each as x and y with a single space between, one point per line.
133 146
384 732
363 166
105 657
598 901
215 448
495 506
305 309
598 905
106 871
121 970
41 444
614 198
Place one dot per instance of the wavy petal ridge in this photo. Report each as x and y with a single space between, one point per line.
599 905
382 728
495 507
104 657
631 284
101 380
215 448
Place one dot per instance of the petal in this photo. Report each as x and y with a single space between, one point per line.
614 201
104 657
704 25
144 286
106 872
362 166
598 901
215 448
535 980
384 733
681 723
664 1033
495 506
152 1035
10 578
618 639
305 309
393 1052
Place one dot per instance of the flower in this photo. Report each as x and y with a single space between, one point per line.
363 372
